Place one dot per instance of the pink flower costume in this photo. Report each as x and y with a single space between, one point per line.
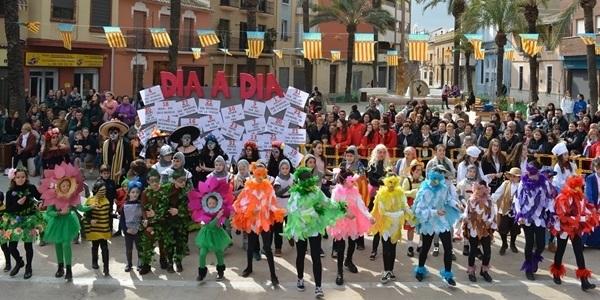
345 227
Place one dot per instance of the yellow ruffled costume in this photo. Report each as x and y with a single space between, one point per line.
390 210
261 196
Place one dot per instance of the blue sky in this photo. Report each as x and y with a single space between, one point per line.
432 18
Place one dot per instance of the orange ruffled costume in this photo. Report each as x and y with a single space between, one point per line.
575 215
257 196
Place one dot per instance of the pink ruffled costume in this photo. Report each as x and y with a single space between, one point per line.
345 227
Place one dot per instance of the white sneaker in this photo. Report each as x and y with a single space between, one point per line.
319 292
300 285
385 277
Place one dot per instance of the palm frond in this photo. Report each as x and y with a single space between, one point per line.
378 18
562 26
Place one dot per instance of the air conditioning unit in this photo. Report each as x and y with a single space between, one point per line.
299 62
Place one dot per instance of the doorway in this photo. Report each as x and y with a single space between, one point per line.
86 79
41 81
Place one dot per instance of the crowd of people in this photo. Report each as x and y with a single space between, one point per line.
496 188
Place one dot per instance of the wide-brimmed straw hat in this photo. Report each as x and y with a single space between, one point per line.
105 127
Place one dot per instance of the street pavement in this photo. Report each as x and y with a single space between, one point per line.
509 282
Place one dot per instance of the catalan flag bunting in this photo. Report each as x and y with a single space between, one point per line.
392 58
197 52
539 49
335 55
226 51
278 53
364 47
311 43
66 31
509 53
256 43
597 49
476 40
588 38
529 43
160 37
247 51
115 37
207 37
417 47
32 26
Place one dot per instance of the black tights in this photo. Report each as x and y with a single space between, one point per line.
267 238
17 256
389 254
315 255
103 244
446 239
277 230
340 246
473 250
6 252
577 249
537 235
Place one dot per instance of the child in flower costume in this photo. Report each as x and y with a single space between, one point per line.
309 214
255 213
436 211
60 190
356 223
391 212
22 220
575 217
97 227
211 205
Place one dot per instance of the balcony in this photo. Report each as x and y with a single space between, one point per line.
266 8
229 5
142 40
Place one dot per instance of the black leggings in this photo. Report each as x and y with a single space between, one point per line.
12 246
277 230
389 254
130 241
537 235
446 239
315 255
103 244
267 238
340 246
577 250
6 252
486 247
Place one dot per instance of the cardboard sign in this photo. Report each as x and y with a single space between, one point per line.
295 116
276 125
277 104
296 96
188 121
209 107
255 126
152 95
254 108
210 123
294 136
233 148
187 107
149 114
233 131
232 113
293 155
167 123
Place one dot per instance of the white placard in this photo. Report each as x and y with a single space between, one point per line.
233 148
254 108
293 155
232 113
188 121
295 116
166 108
264 142
210 123
167 123
251 138
209 107
150 114
255 126
145 134
276 125
233 131
187 107
199 143
296 96
219 136
152 95
277 104
142 116
265 155
294 136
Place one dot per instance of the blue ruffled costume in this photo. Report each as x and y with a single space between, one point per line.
429 200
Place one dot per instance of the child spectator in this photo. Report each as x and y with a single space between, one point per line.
79 149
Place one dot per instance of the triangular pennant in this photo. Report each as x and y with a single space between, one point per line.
529 43
588 38
115 37
392 58
417 47
311 43
197 52
66 32
278 53
226 51
256 43
32 26
160 37
335 55
207 37
364 47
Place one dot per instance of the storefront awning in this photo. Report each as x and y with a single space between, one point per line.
578 62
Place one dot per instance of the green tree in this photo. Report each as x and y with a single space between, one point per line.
588 22
467 49
500 15
16 85
351 13
251 9
456 8
174 24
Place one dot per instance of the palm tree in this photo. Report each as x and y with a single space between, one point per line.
456 8
308 69
503 17
351 13
16 71
174 24
467 48
588 22
251 9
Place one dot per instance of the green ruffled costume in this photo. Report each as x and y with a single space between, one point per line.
310 212
63 228
213 237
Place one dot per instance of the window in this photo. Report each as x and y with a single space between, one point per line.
243 39
580 27
480 73
597 24
165 21
100 14
63 10
549 79
285 1
520 78
284 30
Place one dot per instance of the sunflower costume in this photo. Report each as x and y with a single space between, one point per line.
60 190
212 236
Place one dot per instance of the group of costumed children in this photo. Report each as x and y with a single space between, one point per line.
161 214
